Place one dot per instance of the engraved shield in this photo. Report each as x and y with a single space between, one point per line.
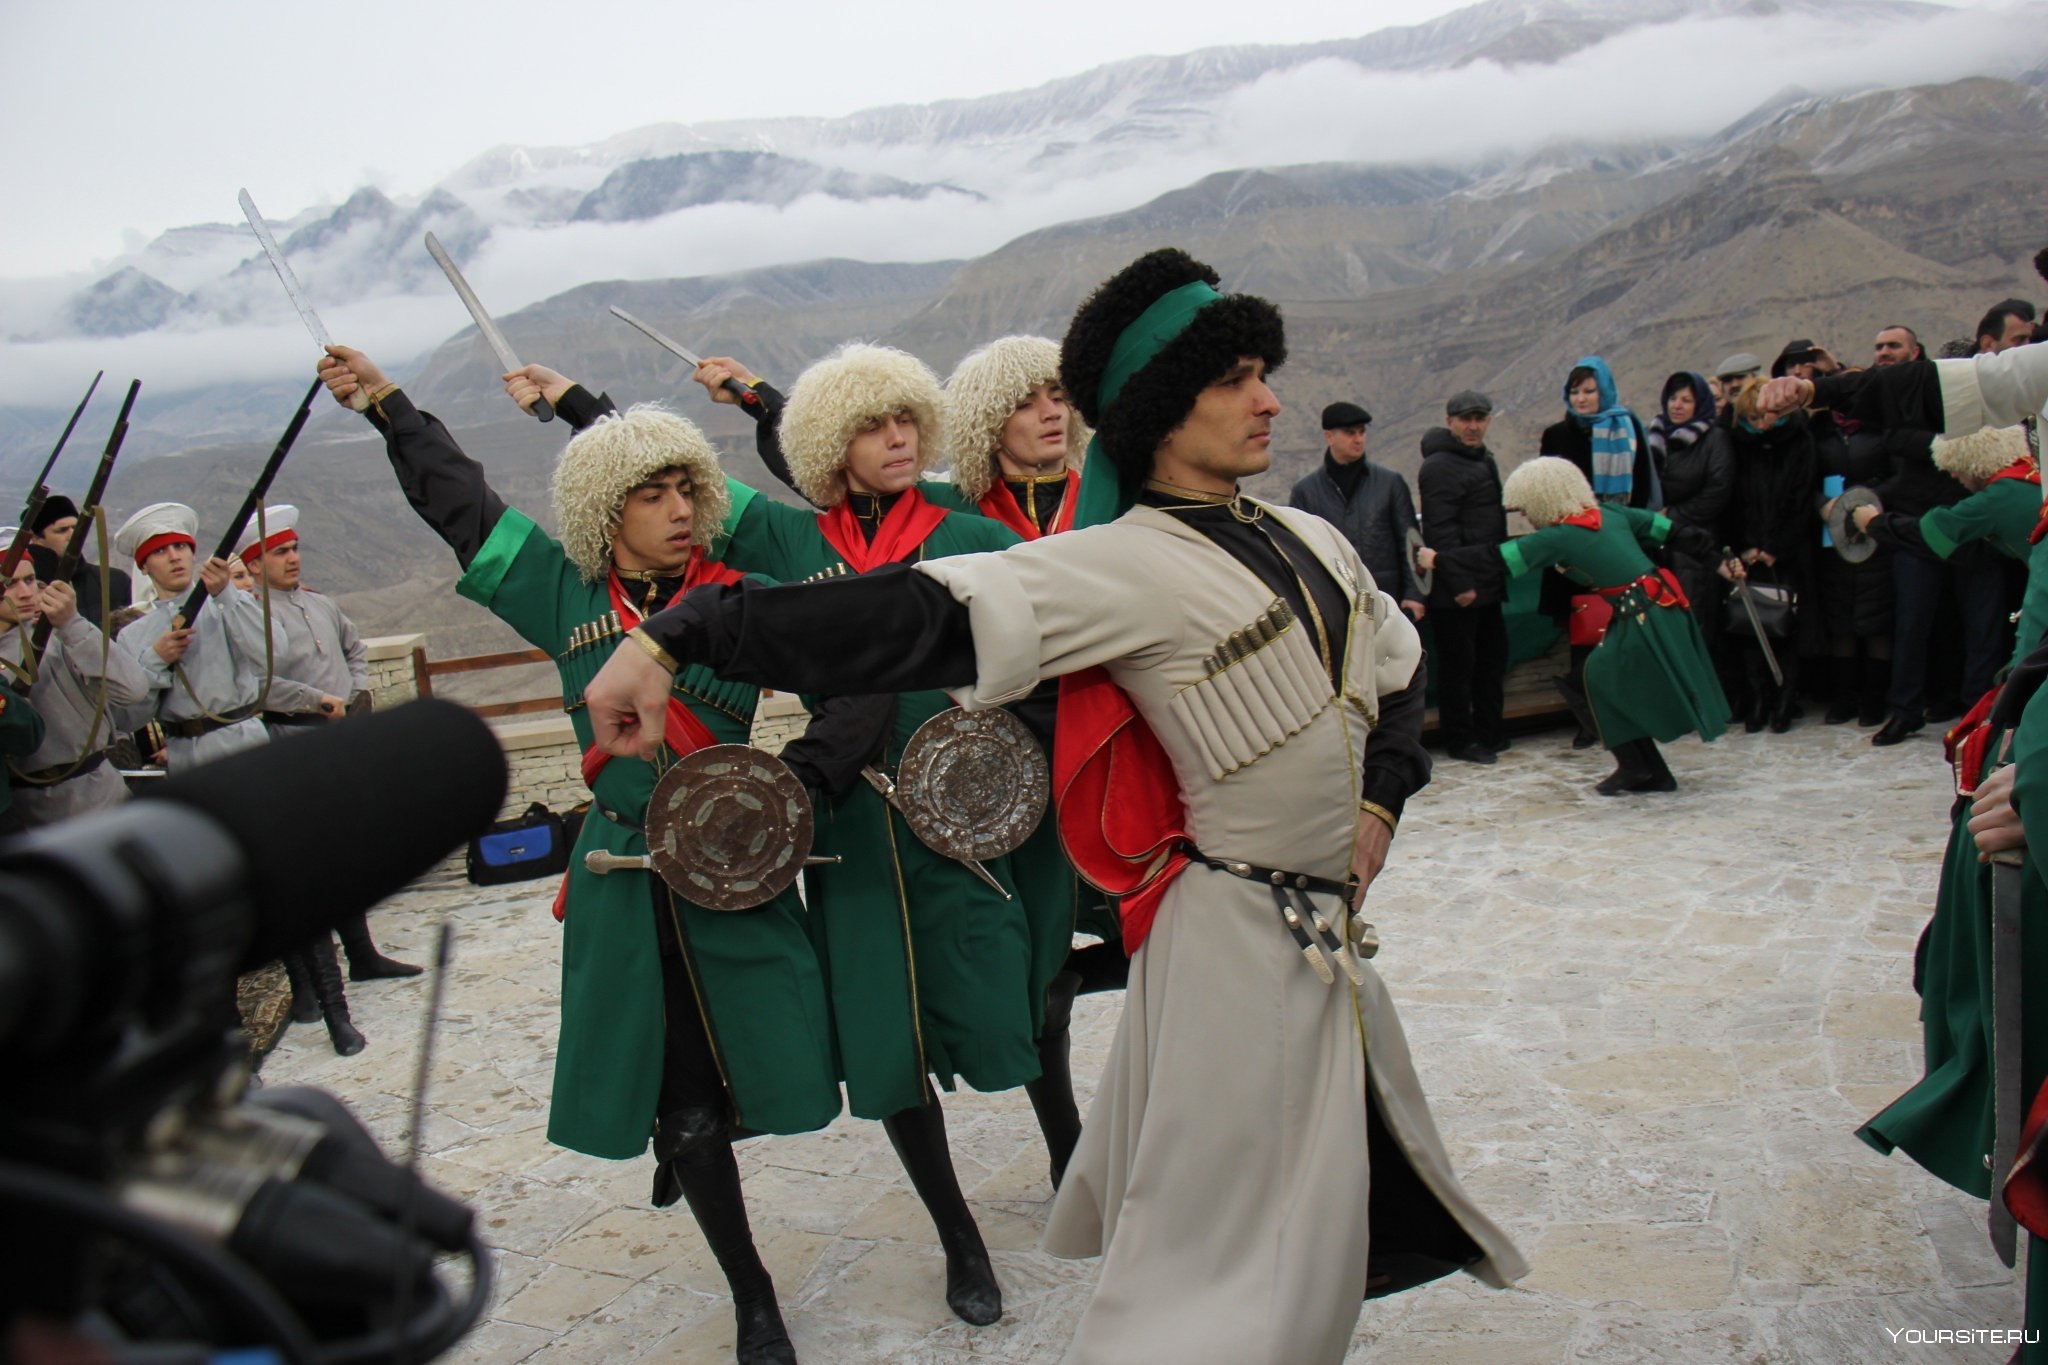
728 827
1425 579
972 784
1850 543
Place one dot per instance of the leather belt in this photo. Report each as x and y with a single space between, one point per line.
1313 933
621 821
200 726
59 773
295 719
1272 876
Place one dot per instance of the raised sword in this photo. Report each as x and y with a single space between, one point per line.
494 338
358 400
743 392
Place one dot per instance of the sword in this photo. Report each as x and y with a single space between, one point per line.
357 400
189 611
39 492
541 408
2008 1103
1756 623
881 783
604 864
734 387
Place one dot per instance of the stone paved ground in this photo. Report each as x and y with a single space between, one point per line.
1648 1026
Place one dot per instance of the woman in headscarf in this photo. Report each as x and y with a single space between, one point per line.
1604 439
1698 479
1774 527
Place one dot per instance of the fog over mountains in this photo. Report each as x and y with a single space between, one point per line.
1477 200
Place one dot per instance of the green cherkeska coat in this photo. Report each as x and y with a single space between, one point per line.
928 969
757 976
2003 514
1651 677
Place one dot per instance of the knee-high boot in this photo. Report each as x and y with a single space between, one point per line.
1630 771
326 973
305 1002
1659 777
365 963
1052 1094
693 1149
919 1137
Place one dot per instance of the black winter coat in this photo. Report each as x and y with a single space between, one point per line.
1461 506
1376 520
1773 510
1575 443
1856 600
1699 485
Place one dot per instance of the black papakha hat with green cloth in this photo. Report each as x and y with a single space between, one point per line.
1139 353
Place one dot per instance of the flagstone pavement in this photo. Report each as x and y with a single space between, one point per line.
1649 1027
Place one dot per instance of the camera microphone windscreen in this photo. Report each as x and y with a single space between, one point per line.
333 821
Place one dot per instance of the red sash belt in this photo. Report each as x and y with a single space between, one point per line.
1967 742
1661 587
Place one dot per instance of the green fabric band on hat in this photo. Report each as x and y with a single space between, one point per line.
1166 319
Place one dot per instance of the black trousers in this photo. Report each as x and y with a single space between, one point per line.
1471 669
1980 588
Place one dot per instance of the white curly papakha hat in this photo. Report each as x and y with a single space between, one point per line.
1546 490
619 453
985 389
1976 457
855 384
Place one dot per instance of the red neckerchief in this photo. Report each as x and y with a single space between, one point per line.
1118 803
2022 469
681 730
1000 504
910 520
1589 519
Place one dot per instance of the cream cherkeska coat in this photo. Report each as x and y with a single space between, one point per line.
1222 1173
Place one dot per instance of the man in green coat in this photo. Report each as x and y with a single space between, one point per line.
678 1023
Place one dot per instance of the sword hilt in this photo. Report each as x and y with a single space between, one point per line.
743 392
359 401
820 860
604 864
543 409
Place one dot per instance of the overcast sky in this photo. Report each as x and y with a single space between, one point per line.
119 118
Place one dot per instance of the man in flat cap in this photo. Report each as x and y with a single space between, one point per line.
1460 484
1368 502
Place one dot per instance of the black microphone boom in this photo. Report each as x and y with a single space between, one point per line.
189 612
74 549
40 492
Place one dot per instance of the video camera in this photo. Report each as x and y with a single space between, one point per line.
154 1207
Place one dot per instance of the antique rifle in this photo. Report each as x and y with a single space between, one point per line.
74 549
189 611
40 494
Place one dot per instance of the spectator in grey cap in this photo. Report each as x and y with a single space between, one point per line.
1729 375
1368 502
1460 486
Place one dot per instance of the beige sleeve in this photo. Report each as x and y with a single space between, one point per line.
1999 390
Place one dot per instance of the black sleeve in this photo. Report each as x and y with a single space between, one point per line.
1401 509
443 485
1901 532
581 408
1396 764
1907 394
1694 541
1473 566
888 630
767 415
845 734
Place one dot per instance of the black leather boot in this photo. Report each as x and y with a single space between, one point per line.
919 1137
1582 711
1630 772
1658 776
305 1003
327 986
365 963
1844 703
1052 1094
693 1149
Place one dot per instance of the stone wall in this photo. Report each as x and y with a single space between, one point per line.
392 667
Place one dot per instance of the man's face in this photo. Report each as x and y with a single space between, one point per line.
170 568
1893 345
18 603
1034 439
1469 427
1347 444
57 535
654 525
1227 435
882 456
2018 332
281 566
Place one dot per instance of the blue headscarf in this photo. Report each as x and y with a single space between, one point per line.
1614 435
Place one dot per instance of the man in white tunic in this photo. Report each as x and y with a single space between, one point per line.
1239 718
77 686
207 677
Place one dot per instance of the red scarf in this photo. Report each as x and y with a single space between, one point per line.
1000 504
682 732
1118 803
1589 519
910 520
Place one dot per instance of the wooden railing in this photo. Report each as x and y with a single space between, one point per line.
425 671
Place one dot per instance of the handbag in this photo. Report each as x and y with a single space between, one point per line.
530 845
1775 604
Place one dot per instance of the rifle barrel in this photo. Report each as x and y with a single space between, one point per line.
40 493
197 598
74 549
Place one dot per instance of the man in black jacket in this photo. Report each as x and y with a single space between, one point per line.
1368 502
1460 486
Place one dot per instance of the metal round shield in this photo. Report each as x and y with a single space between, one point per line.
972 784
1850 543
728 827
1425 579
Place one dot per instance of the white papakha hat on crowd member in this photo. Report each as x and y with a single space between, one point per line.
155 526
854 385
616 455
282 521
985 389
1982 453
1546 490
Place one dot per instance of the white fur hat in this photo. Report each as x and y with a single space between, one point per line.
610 459
856 383
1546 490
155 526
1981 454
985 389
